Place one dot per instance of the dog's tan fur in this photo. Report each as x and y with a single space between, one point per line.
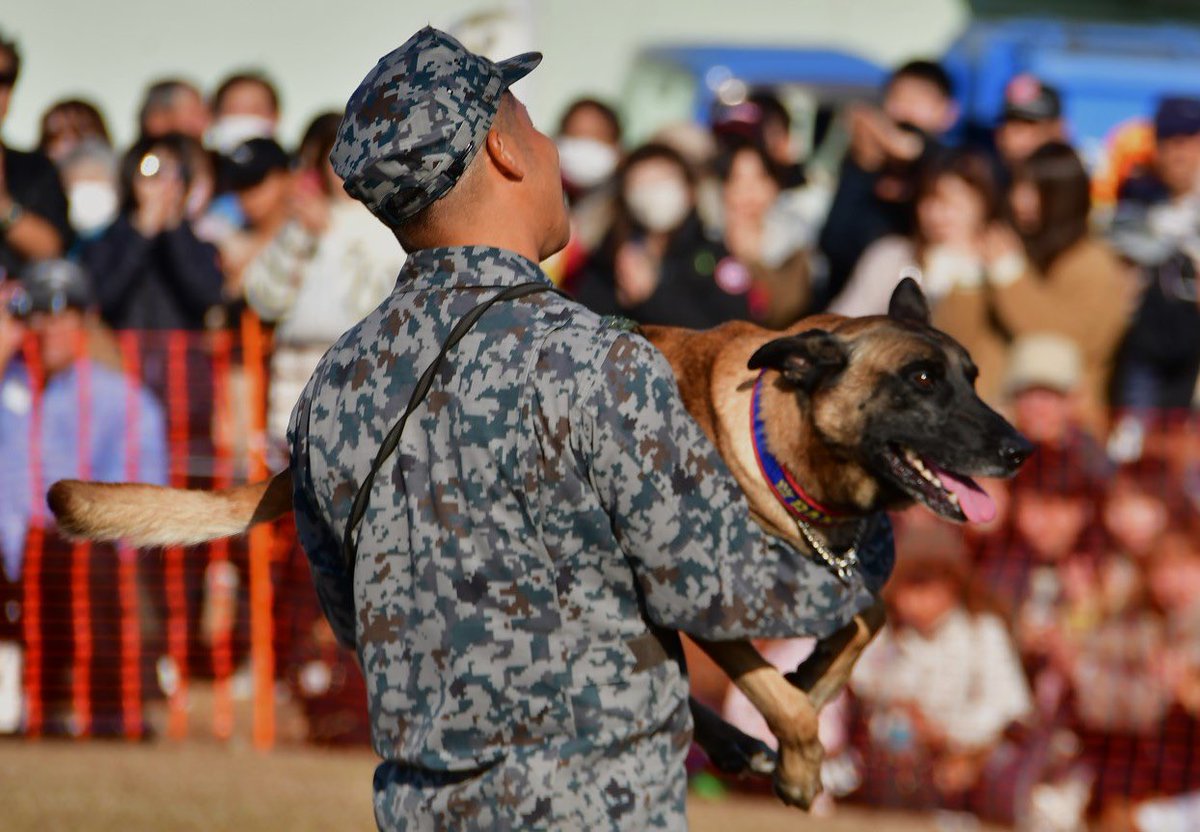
716 386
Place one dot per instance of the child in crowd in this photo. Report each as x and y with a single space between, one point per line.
939 687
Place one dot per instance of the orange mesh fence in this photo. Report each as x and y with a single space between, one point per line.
121 642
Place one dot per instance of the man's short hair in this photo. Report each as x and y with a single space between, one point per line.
10 48
931 72
415 228
253 76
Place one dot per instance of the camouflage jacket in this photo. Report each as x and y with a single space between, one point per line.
550 504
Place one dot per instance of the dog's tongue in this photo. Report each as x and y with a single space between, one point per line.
975 503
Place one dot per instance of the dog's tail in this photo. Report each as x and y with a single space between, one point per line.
151 515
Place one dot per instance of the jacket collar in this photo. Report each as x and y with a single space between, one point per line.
467 267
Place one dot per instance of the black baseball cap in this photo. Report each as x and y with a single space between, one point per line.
51 286
1177 116
1028 98
251 162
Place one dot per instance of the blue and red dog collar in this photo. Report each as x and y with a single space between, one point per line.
782 484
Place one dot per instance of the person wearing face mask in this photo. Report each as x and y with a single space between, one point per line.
589 149
89 174
244 106
657 264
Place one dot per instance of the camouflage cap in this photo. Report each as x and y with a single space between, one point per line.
416 121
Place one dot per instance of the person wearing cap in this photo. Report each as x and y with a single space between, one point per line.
33 206
242 221
151 271
1046 390
1175 176
1032 117
552 514
73 399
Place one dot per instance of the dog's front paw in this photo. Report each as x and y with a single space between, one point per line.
798 775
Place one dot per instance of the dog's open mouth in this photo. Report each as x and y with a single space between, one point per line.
954 496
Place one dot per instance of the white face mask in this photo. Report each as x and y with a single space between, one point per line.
586 163
227 132
661 206
91 206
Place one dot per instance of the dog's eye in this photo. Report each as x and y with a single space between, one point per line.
923 380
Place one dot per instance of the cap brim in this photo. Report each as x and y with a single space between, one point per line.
514 69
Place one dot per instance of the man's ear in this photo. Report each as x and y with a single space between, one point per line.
502 151
908 303
804 360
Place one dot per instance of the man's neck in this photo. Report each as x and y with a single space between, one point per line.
492 238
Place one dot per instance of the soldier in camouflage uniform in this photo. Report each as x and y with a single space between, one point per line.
551 516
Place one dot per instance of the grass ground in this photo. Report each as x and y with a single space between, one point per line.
198 785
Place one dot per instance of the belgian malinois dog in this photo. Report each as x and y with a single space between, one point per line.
823 425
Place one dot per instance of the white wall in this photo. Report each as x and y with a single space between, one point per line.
318 50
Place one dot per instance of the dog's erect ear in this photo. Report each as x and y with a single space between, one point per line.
804 360
908 303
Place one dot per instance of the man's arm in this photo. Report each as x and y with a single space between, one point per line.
333 582
34 221
703 565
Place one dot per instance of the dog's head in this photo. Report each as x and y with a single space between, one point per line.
891 405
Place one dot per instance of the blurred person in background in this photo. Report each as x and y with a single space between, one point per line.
151 270
172 105
589 146
33 206
1043 389
1052 275
589 150
79 399
956 207
877 177
244 106
89 174
1173 181
940 745
1139 503
1053 506
763 119
751 186
326 268
68 124
258 177
1032 117
1158 362
1172 752
657 264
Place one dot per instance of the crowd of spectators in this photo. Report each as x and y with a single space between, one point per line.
1044 667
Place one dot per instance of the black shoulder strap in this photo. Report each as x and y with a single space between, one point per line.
359 507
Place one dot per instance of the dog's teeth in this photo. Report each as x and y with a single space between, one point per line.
952 497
